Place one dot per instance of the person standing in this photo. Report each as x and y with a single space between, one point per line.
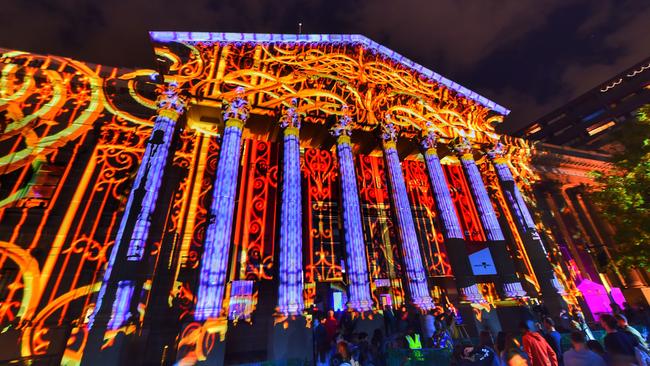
553 337
619 345
622 323
539 351
579 354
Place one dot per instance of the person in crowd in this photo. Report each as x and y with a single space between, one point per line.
580 354
413 339
510 345
442 339
403 320
321 342
428 327
619 345
621 321
596 347
579 318
331 326
630 312
553 337
377 347
463 354
343 356
516 358
500 346
539 351
565 321
390 323
485 355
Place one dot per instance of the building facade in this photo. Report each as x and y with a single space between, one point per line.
590 121
201 212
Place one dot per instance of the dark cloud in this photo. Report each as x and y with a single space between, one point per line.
530 56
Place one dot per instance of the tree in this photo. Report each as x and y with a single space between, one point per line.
623 196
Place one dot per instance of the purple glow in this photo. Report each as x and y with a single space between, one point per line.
241 300
416 276
153 163
505 175
290 301
121 305
483 204
360 298
166 36
442 197
218 233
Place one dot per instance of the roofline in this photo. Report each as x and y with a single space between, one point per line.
169 36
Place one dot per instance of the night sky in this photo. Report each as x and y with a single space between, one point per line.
528 55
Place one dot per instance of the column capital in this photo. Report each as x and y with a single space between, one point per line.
463 147
429 140
171 103
290 119
497 153
389 132
236 111
342 129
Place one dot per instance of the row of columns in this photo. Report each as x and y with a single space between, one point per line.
290 300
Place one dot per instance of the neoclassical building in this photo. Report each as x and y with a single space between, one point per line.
203 211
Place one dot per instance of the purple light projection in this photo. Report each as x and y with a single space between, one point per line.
154 160
290 292
120 311
483 204
360 298
441 192
218 233
416 275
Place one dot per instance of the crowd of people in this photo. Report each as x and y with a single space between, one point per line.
338 340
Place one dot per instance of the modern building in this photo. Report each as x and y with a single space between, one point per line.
589 121
203 212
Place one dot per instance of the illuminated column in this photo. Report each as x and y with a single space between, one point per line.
416 276
290 296
134 227
453 233
496 240
360 299
525 224
218 233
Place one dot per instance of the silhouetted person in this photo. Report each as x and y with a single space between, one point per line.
580 354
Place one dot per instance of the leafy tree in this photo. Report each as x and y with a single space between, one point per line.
624 196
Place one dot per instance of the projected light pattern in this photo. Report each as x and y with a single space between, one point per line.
444 202
505 175
218 234
120 311
483 204
290 301
151 170
415 274
357 270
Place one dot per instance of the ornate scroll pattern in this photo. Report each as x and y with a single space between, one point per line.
257 211
426 219
323 256
462 197
326 75
384 256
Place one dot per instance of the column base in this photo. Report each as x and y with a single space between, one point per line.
360 305
471 294
424 303
513 290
